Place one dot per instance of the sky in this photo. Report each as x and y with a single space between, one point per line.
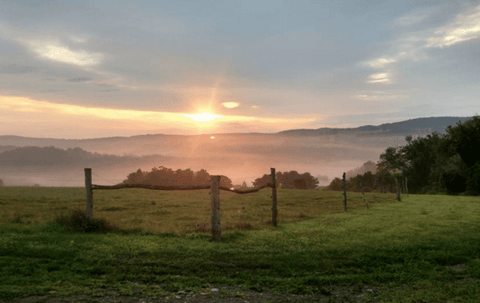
90 69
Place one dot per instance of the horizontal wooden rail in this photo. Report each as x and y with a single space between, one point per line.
156 187
245 191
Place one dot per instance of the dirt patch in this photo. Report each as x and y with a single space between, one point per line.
223 293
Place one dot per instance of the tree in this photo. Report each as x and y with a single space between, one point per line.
201 177
368 166
135 178
225 182
464 139
423 156
336 184
1 183
290 179
264 180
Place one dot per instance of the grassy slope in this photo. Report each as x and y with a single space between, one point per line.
392 243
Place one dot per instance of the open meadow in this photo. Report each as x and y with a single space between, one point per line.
425 248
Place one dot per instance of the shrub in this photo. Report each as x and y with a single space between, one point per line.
78 221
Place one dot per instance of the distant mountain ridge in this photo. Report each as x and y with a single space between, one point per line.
408 127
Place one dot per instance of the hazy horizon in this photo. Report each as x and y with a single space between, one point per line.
95 69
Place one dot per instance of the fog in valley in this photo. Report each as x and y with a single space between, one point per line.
325 153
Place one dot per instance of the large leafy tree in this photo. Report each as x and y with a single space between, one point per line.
421 157
464 139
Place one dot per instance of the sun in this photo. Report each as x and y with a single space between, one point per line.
202 117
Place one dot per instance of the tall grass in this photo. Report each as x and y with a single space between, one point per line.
178 212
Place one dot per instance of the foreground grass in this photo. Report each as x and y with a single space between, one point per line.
393 243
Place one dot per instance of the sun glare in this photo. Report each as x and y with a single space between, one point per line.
202 117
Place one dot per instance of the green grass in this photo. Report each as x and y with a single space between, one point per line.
315 245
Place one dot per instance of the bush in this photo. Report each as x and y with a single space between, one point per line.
78 221
454 182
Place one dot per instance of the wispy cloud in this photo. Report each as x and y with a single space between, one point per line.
465 27
379 78
380 62
378 96
55 51
413 45
230 104
411 18
48 46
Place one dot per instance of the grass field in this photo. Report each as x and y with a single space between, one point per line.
406 250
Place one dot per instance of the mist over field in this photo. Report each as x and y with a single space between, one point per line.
241 157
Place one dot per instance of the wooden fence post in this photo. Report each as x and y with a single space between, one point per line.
215 207
88 188
344 192
406 187
274 198
398 189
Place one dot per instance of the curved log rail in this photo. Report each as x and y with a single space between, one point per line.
156 187
152 187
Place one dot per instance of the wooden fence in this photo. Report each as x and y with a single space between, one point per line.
214 194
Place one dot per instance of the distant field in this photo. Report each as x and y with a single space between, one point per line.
176 212
423 249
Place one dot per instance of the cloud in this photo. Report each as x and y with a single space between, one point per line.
411 19
230 104
80 79
379 78
55 51
16 69
465 27
381 62
377 96
413 45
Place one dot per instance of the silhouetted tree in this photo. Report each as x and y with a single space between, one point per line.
290 179
137 177
336 184
201 177
368 166
225 182
464 139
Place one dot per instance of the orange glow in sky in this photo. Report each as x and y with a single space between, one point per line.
202 117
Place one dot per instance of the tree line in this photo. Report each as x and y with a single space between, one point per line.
163 176
438 163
